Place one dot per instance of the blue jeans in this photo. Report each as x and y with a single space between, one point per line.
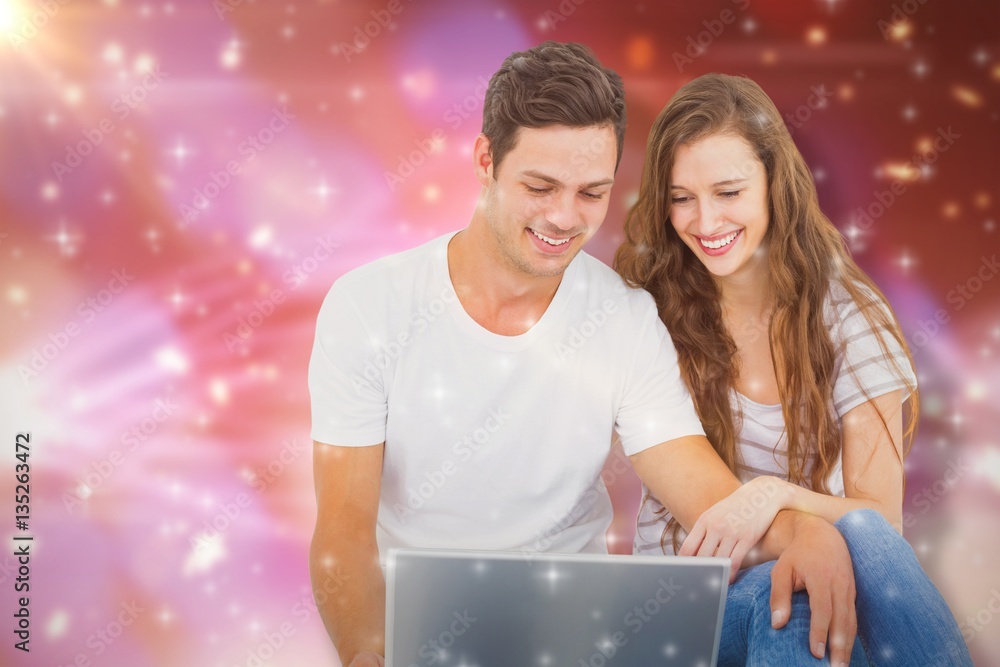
902 619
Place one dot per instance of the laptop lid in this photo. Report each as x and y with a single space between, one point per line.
507 609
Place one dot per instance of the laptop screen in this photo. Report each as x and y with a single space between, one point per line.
449 608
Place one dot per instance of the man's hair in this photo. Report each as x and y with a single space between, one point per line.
551 84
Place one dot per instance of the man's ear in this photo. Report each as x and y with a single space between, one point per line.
482 161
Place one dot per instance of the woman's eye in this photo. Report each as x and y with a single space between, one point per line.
680 200
730 194
592 195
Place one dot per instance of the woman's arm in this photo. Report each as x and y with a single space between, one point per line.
873 472
873 478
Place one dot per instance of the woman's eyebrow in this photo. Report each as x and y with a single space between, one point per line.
731 181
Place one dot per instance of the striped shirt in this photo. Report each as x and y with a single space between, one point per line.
761 444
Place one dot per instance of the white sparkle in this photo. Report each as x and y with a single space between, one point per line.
179 151
112 53
324 190
171 359
57 624
231 56
905 261
66 240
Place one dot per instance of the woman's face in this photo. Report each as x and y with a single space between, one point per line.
719 204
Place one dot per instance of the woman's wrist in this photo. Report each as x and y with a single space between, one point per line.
781 495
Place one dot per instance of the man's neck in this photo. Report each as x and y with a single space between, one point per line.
498 296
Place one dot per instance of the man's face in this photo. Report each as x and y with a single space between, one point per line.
549 196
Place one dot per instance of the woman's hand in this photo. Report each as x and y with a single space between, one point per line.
735 524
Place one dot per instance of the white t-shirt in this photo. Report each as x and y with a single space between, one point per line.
761 443
492 442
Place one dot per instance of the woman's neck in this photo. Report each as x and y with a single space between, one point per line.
748 291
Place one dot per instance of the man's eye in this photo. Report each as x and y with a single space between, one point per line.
592 195
537 191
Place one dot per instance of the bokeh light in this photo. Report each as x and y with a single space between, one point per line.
182 181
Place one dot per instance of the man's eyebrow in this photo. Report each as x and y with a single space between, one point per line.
554 181
731 181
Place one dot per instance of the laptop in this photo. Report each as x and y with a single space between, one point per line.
509 609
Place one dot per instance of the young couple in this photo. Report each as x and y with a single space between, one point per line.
465 393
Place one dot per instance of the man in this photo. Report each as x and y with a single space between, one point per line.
465 392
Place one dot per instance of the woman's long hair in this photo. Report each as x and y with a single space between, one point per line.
805 254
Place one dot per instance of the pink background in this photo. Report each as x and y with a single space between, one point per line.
216 316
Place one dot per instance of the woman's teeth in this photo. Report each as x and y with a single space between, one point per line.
548 240
720 243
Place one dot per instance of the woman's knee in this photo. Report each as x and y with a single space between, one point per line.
867 526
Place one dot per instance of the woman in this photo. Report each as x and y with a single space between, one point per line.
797 367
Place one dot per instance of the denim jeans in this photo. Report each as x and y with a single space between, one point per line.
902 619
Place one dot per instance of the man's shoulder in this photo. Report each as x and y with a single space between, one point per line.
602 282
387 275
